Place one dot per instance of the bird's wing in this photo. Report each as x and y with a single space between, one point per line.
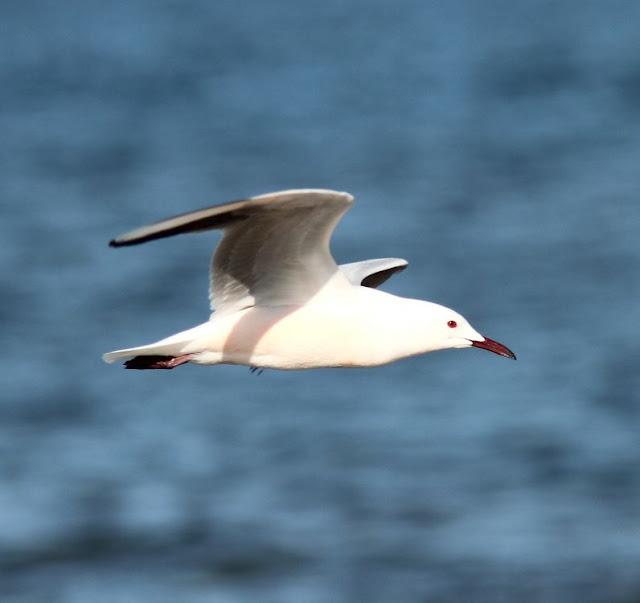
372 273
274 250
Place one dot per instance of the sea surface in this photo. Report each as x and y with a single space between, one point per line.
495 145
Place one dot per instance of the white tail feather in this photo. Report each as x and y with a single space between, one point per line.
170 346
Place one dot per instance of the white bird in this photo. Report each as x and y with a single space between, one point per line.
280 301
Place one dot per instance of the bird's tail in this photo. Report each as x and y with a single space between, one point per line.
166 353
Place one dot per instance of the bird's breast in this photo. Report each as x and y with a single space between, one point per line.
344 333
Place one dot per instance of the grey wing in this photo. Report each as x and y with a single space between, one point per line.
274 250
278 255
372 273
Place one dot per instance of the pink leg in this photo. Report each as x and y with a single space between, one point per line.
178 360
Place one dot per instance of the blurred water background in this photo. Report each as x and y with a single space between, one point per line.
494 144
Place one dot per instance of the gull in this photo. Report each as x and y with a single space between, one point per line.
280 301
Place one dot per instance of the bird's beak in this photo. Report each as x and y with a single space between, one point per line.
495 347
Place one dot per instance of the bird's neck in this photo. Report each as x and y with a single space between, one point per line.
404 326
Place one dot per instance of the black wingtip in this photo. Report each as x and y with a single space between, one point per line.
117 243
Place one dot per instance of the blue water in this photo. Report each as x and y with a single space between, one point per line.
495 145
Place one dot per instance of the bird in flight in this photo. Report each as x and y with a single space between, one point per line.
280 301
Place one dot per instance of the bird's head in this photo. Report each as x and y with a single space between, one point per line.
452 330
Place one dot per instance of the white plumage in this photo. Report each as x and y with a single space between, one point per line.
279 299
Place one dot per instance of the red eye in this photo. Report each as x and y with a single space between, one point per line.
452 324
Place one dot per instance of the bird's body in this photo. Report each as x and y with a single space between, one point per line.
336 333
281 301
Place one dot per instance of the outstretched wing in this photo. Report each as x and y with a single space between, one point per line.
372 273
275 247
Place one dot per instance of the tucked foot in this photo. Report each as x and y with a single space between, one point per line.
157 362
